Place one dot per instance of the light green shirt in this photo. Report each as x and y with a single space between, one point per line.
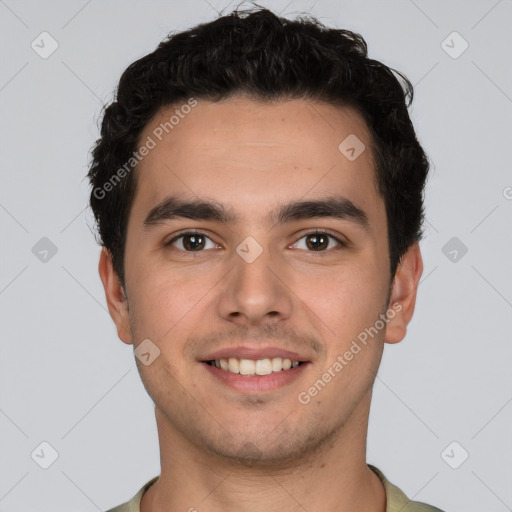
397 501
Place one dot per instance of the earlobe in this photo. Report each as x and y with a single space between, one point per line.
404 289
115 296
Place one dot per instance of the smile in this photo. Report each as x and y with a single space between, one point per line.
254 367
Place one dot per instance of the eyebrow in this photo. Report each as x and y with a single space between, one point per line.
338 207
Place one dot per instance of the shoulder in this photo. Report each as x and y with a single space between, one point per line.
416 506
397 501
134 504
130 506
125 507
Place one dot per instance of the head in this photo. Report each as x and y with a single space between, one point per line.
257 132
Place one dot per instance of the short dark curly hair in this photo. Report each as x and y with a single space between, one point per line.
256 53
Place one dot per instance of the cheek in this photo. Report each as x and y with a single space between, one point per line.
347 302
164 299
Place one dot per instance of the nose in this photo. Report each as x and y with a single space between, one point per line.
255 292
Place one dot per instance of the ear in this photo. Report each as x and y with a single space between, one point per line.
116 299
403 293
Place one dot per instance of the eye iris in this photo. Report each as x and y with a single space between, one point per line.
317 241
191 242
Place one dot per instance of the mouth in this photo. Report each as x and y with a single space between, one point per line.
251 367
254 376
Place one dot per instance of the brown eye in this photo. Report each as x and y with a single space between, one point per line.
191 242
318 242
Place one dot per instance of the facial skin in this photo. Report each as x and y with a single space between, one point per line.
269 451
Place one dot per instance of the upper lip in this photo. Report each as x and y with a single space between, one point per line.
254 353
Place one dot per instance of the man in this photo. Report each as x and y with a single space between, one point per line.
258 188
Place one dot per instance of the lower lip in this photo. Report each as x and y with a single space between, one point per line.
256 383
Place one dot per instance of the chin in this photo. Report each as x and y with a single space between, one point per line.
255 448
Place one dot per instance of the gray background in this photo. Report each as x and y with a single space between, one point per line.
65 377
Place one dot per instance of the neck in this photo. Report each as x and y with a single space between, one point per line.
334 477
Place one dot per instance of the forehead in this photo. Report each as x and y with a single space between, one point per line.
253 155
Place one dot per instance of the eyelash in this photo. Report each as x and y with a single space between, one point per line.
314 232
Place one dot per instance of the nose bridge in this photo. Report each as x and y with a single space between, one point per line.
253 292
252 266
252 275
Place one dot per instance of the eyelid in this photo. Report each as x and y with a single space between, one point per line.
191 231
316 231
319 231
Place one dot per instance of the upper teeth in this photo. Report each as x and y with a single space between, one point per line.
251 367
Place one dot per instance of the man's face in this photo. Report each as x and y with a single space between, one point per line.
259 287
